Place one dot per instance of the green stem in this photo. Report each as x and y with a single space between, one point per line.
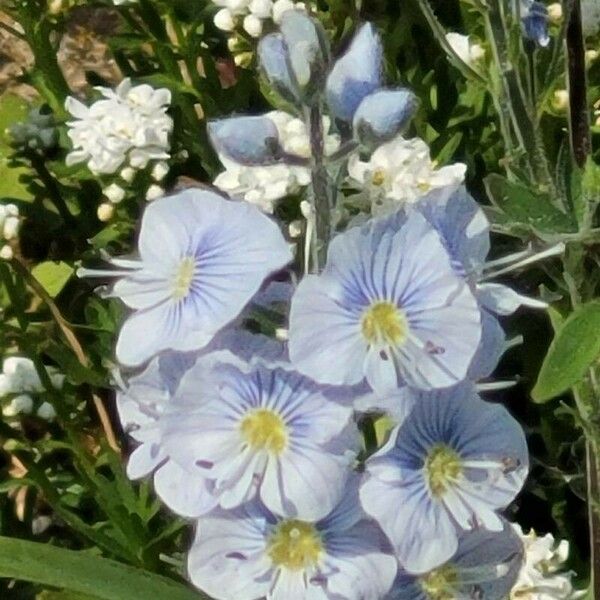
323 200
195 133
514 102
46 74
52 187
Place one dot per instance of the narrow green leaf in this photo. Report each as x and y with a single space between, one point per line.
574 349
523 206
53 276
85 573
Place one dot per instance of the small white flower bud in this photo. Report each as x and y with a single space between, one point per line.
295 229
159 171
591 55
22 404
280 7
261 8
306 209
282 334
154 192
11 228
560 100
6 252
105 211
46 411
555 12
115 193
224 20
128 174
12 210
243 60
253 25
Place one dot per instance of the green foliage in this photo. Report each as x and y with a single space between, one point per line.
84 573
573 351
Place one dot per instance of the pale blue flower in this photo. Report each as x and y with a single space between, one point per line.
356 74
486 565
141 404
260 431
389 307
451 465
144 402
465 233
201 259
248 554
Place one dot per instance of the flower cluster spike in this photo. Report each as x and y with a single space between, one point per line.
256 437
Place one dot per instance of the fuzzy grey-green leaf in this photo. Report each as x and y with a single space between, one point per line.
574 349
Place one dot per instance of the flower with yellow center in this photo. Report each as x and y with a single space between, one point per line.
262 432
295 545
184 278
248 552
440 584
451 465
201 259
442 468
264 429
383 323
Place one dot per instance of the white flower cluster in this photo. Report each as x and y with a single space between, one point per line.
129 125
10 223
253 13
264 185
20 379
469 52
401 171
542 576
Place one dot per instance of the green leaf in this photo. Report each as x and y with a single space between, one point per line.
53 276
85 573
521 205
12 110
574 349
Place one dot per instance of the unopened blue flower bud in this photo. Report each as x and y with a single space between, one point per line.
382 115
534 16
358 73
308 52
246 140
274 59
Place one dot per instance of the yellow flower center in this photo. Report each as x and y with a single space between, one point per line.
378 177
384 323
440 583
264 429
295 545
184 277
442 467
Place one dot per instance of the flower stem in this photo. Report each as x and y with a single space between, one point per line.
73 342
579 119
322 188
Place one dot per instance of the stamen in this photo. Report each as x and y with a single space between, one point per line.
555 250
383 323
295 545
494 386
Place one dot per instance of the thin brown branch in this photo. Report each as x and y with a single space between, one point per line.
73 342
